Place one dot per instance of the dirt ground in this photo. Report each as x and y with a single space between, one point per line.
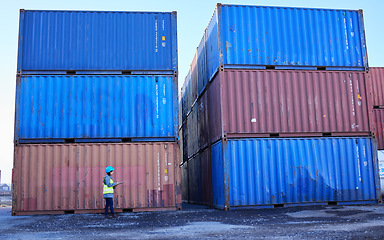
197 222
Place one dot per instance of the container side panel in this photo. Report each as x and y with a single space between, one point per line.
285 101
378 117
78 40
212 46
92 106
215 119
206 177
194 87
202 77
203 129
258 35
293 170
185 182
194 183
377 80
69 177
218 198
192 132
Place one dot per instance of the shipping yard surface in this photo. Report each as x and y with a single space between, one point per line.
196 222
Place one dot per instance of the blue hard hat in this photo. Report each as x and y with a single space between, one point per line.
109 169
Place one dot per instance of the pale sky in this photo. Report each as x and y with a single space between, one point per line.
193 17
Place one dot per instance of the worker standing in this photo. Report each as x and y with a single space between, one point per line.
109 185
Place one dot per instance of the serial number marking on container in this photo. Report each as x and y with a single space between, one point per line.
158 171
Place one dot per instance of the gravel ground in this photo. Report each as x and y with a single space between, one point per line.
196 222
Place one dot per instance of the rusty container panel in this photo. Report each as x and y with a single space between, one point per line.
291 102
206 177
63 177
378 116
202 113
214 109
377 83
194 87
194 180
192 132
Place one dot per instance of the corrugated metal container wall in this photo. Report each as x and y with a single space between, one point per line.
287 37
184 182
192 132
377 82
58 177
294 170
85 40
202 121
194 180
185 142
186 92
206 177
378 116
194 78
290 102
202 78
96 106
197 179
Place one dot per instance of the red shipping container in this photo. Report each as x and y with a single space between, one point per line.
376 75
288 103
60 178
378 116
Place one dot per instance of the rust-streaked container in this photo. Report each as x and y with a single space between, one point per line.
286 103
202 124
378 116
61 178
192 137
377 83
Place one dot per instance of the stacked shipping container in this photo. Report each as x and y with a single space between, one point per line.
96 89
282 112
376 77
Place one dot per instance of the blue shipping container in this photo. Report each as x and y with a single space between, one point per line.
97 41
248 172
259 36
96 106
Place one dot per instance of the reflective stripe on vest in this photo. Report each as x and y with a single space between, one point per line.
107 189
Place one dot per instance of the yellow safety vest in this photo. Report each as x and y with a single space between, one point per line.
107 189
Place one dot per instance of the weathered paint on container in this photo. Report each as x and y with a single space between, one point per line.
290 102
96 106
378 118
192 132
202 77
376 75
62 177
258 171
197 179
184 182
206 177
97 40
252 36
202 123
380 155
186 96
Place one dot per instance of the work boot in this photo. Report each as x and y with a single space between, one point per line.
107 216
115 216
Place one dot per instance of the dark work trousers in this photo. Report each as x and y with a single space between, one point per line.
109 203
